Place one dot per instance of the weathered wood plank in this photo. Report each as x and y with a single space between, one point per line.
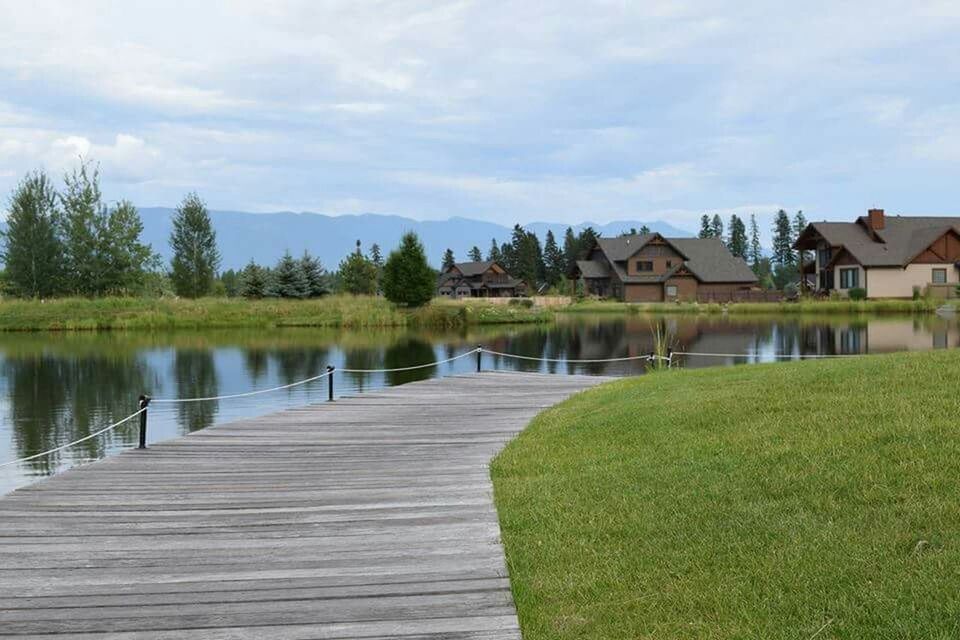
368 517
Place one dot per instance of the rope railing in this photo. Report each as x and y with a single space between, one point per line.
145 401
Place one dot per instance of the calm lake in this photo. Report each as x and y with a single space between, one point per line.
55 388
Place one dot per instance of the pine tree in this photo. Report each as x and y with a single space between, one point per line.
494 254
526 255
314 275
799 224
737 242
755 251
644 230
83 227
230 281
784 258
706 231
716 227
407 278
475 255
448 259
32 249
554 267
358 275
194 243
571 248
376 257
253 281
291 281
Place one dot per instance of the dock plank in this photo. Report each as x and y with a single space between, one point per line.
370 517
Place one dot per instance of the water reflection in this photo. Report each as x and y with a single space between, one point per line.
55 388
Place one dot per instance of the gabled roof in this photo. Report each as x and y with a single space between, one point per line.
708 259
474 268
901 240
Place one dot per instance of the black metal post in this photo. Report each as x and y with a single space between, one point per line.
479 357
330 370
143 404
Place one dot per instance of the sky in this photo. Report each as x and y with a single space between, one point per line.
500 111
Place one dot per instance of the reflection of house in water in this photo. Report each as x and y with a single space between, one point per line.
911 334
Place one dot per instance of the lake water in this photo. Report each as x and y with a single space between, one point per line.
55 388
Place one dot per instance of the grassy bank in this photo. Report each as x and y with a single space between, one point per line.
722 503
812 307
167 313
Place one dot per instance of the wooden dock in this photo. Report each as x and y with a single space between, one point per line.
370 517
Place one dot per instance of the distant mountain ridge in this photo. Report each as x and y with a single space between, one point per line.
264 237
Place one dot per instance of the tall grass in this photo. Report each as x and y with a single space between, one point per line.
746 308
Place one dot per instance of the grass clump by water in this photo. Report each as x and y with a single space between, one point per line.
799 500
211 313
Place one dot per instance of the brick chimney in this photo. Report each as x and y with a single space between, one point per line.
876 219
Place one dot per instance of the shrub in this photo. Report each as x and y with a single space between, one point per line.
526 303
858 293
407 278
916 292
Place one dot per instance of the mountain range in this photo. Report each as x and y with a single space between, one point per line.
264 237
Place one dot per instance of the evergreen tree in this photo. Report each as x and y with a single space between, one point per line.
526 257
737 242
554 267
571 247
290 280
716 227
376 257
799 224
494 254
475 255
230 281
407 278
253 281
358 275
32 249
83 228
644 230
194 243
706 230
448 259
314 275
784 259
755 252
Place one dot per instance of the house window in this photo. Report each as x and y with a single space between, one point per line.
644 265
671 291
849 278
939 276
669 263
824 256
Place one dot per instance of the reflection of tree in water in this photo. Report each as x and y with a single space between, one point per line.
361 358
196 375
407 353
255 360
54 400
294 365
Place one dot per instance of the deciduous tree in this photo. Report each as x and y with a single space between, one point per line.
195 254
32 250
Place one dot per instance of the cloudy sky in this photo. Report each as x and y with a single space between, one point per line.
504 111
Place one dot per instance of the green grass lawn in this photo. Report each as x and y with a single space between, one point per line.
799 500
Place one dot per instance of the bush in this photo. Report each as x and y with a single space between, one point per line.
526 303
916 292
407 278
858 293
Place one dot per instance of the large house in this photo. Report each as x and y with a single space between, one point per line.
887 256
652 268
478 280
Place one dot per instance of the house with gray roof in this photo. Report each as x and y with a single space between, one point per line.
887 256
652 268
485 279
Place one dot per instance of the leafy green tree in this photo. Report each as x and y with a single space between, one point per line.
315 276
83 223
448 259
195 254
737 243
644 230
706 230
123 259
755 251
475 255
32 249
716 227
253 281
289 279
230 280
407 278
554 267
358 275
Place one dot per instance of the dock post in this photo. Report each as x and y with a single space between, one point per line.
142 405
669 357
479 357
330 370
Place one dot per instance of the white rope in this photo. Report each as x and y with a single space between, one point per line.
411 368
70 444
789 356
597 360
240 395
